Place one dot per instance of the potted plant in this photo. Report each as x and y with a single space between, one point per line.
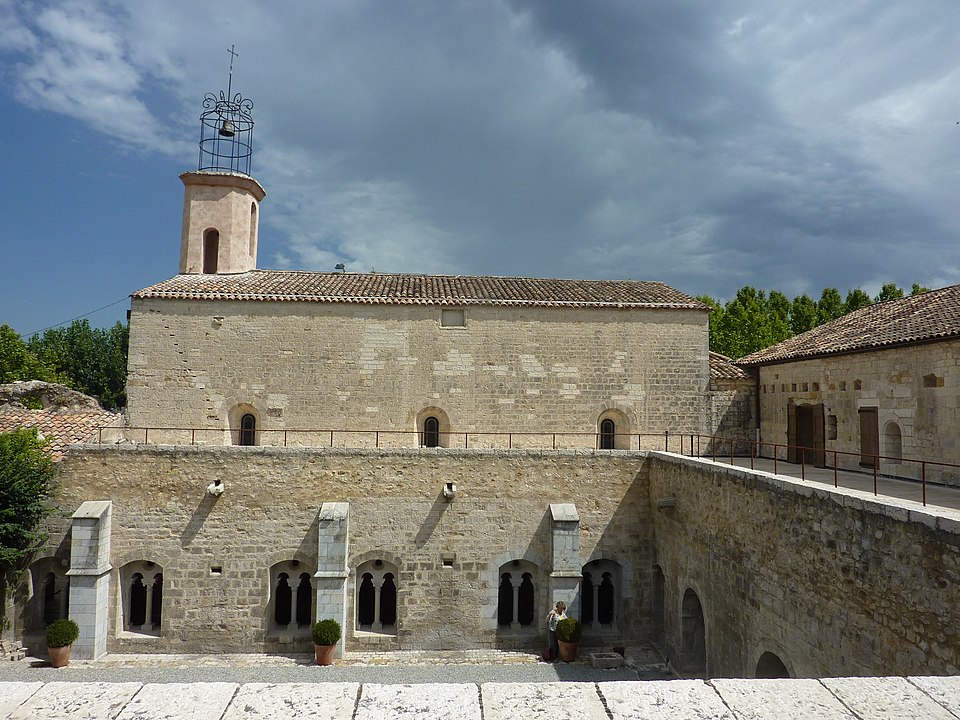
326 634
61 635
568 635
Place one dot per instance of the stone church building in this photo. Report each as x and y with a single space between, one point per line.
435 461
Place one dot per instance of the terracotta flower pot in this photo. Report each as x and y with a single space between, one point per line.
60 657
324 654
568 650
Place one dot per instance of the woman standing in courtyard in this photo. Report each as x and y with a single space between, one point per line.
555 616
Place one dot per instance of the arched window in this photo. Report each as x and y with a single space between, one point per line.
608 434
505 600
142 601
517 599
138 601
211 251
892 442
304 600
598 596
377 597
291 599
433 427
248 430
366 602
283 595
525 601
156 600
605 595
431 432
253 230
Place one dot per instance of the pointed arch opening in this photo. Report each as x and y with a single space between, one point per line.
519 596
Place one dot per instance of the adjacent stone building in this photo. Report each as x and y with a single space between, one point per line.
875 387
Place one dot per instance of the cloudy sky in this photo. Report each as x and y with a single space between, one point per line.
790 145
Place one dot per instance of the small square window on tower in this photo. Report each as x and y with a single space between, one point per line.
452 318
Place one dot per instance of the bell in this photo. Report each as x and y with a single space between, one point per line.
227 129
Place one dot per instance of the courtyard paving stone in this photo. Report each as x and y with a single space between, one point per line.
76 701
779 699
664 700
291 701
944 690
423 702
886 698
180 701
557 701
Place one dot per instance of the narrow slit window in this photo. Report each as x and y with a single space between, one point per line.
248 430
431 432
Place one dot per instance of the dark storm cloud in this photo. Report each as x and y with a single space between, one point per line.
709 145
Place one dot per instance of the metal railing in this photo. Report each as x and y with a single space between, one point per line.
714 447
856 465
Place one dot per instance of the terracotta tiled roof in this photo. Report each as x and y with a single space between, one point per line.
61 428
929 316
723 368
381 288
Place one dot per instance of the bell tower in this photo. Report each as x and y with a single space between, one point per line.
221 201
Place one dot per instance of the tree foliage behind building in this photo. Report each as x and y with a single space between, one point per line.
26 494
90 360
754 320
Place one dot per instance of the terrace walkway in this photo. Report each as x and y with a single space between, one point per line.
936 495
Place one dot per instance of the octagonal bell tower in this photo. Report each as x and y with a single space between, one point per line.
221 201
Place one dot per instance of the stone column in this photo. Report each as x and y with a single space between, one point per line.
90 577
332 571
566 571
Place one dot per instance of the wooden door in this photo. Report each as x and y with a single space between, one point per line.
869 436
792 454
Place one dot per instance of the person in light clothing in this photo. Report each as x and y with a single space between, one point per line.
555 616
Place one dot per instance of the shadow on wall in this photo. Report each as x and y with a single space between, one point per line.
196 521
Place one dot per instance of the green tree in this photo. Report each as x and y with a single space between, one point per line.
17 362
803 314
889 291
26 492
94 360
830 306
918 289
856 299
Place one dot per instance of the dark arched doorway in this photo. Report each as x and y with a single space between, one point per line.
693 638
771 666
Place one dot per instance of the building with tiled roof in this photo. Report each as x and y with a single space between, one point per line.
65 417
927 317
876 386
408 289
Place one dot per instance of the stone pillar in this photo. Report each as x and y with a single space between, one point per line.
566 571
90 577
332 571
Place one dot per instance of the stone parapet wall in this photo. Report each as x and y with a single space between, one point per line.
297 365
216 553
833 582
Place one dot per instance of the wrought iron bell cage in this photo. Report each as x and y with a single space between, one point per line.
226 133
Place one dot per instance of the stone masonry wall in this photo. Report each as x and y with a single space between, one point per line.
916 387
380 367
832 582
269 514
